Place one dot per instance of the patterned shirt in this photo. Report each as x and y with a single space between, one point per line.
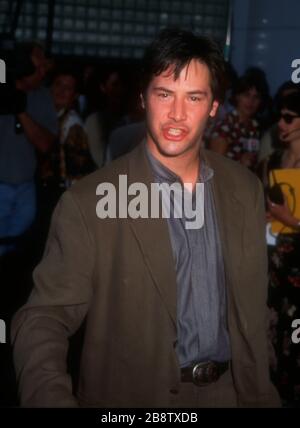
70 158
241 137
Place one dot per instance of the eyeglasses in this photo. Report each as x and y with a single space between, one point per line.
288 118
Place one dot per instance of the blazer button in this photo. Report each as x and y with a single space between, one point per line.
174 391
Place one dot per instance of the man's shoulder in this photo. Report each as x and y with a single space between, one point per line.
237 174
38 94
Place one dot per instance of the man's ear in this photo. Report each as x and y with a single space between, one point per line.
214 108
142 100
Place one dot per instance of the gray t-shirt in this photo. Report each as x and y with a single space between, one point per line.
17 154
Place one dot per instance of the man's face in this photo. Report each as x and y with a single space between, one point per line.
41 65
64 91
40 62
177 110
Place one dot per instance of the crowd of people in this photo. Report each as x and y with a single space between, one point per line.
75 119
264 136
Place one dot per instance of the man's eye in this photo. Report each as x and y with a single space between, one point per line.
194 98
163 95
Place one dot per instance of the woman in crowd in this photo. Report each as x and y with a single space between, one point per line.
237 135
270 140
284 290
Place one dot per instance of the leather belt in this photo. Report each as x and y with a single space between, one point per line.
205 373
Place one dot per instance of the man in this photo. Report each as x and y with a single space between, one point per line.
28 125
69 158
173 317
75 159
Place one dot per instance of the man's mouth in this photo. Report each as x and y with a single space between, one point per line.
174 133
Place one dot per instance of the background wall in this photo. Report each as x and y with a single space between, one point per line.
266 33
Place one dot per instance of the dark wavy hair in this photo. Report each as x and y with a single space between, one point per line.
291 102
252 79
177 48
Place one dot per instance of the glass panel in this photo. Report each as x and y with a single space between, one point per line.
116 27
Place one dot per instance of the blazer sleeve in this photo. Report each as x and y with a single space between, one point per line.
55 310
267 395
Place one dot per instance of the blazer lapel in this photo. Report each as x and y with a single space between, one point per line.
230 216
153 237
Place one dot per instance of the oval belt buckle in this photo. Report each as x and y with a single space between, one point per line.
205 373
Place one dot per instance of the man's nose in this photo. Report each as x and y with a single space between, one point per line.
281 124
177 110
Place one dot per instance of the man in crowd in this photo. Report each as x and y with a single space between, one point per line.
28 125
174 316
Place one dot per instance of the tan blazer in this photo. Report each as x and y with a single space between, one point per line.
119 275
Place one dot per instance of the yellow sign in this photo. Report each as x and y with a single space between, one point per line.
289 181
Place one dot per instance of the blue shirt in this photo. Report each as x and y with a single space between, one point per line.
17 154
201 294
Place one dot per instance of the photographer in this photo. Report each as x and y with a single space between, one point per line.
28 124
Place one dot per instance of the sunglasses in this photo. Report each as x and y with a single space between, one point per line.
288 118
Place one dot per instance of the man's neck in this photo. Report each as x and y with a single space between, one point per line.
185 166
